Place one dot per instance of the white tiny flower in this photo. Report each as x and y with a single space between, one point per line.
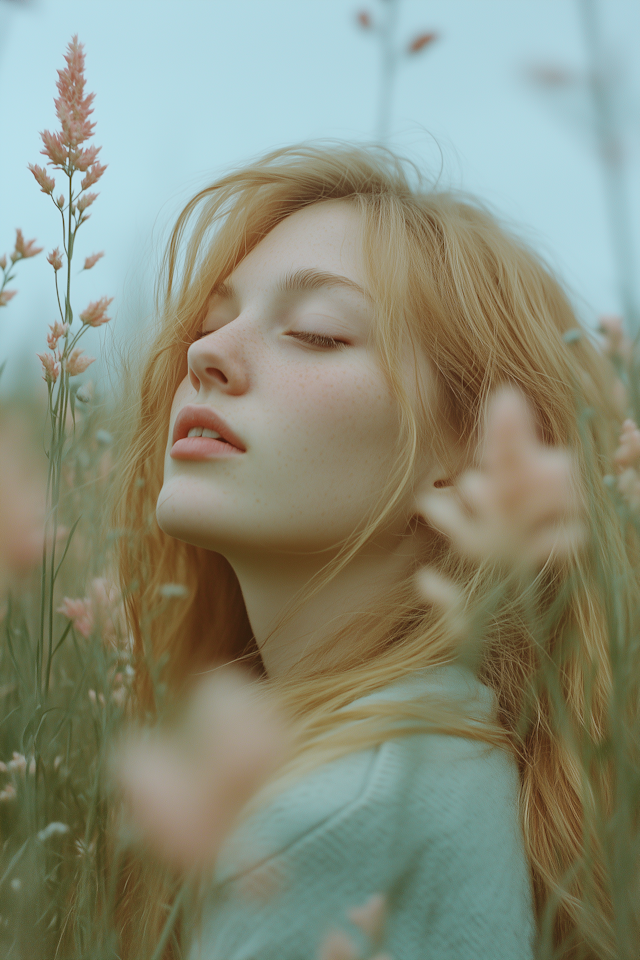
173 590
52 829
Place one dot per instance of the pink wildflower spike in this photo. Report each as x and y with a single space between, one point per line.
78 362
55 259
51 368
5 296
86 158
85 200
58 330
45 182
80 612
92 260
93 175
54 148
24 248
95 314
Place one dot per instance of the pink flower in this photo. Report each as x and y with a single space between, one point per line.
46 182
616 342
60 201
95 314
72 107
5 296
338 945
80 612
86 158
364 19
422 40
54 148
93 175
78 362
185 801
628 453
523 505
24 248
58 330
86 199
370 917
92 260
51 368
109 610
55 259
3 262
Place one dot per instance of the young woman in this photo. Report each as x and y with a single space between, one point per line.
345 328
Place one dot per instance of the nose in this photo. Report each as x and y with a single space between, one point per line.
214 361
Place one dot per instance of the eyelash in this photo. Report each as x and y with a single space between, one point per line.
315 339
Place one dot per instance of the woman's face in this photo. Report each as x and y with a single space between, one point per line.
318 422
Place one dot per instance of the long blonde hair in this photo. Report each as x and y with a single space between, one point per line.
448 280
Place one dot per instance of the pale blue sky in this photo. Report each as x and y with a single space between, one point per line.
185 91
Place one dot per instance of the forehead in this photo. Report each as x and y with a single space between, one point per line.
323 235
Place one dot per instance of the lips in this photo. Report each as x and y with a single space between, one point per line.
199 415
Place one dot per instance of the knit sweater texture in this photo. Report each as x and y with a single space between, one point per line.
429 820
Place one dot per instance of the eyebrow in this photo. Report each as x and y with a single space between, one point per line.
300 281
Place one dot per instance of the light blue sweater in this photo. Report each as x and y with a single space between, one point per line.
429 820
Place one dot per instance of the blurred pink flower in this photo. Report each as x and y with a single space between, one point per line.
184 792
106 603
24 248
58 330
628 453
616 342
51 368
3 262
370 917
629 487
95 314
93 259
77 362
5 296
22 501
60 201
45 182
85 201
364 19
421 41
55 259
523 504
9 792
80 612
337 945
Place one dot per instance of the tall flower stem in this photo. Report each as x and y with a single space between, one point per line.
611 153
389 68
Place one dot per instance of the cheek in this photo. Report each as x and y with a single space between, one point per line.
346 413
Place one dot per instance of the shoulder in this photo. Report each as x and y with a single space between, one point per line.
413 792
430 821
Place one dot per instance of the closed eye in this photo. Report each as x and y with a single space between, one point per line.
320 340
315 339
